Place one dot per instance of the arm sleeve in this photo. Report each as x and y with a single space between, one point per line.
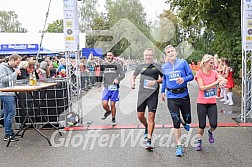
197 75
137 71
4 75
163 84
121 73
160 70
189 75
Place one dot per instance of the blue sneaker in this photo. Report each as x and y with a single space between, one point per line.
210 135
179 151
148 145
186 126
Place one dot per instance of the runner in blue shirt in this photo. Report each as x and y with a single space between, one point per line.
176 74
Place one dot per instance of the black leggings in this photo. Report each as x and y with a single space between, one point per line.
209 110
179 104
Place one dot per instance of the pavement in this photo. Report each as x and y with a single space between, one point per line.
97 143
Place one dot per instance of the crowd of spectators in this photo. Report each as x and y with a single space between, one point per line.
55 67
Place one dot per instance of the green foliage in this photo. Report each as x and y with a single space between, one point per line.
219 19
195 56
99 23
9 22
133 11
55 27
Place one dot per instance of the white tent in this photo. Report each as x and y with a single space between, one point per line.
51 41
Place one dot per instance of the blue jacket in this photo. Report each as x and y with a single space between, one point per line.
171 72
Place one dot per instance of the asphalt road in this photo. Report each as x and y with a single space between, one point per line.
102 145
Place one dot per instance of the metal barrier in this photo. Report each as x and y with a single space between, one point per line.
54 102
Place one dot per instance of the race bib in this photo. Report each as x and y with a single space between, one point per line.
112 87
174 75
146 81
210 93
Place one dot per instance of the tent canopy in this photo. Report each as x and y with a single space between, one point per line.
27 49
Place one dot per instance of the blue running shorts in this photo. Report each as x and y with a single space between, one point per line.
113 95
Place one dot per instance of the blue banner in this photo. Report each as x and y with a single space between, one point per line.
96 52
13 47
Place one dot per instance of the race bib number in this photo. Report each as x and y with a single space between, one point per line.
210 93
173 76
112 87
146 81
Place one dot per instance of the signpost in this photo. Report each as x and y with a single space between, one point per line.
71 25
246 28
71 38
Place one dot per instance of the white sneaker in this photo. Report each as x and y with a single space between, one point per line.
222 99
231 104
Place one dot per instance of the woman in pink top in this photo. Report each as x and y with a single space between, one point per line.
207 80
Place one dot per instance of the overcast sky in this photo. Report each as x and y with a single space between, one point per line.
32 13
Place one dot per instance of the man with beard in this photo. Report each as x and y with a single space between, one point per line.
150 78
111 75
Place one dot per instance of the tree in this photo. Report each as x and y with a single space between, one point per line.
219 19
222 17
99 23
55 27
9 22
88 12
133 13
175 31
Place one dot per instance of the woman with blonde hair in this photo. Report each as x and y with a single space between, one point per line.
23 65
207 80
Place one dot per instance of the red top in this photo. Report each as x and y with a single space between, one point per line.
207 96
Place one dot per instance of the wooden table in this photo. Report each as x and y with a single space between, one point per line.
33 90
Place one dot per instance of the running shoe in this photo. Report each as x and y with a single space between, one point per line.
107 113
211 138
198 146
186 126
113 122
179 151
148 145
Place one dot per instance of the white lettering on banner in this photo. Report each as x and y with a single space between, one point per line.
21 46
31 46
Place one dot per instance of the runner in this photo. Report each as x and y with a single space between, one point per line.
207 80
111 75
150 78
176 75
